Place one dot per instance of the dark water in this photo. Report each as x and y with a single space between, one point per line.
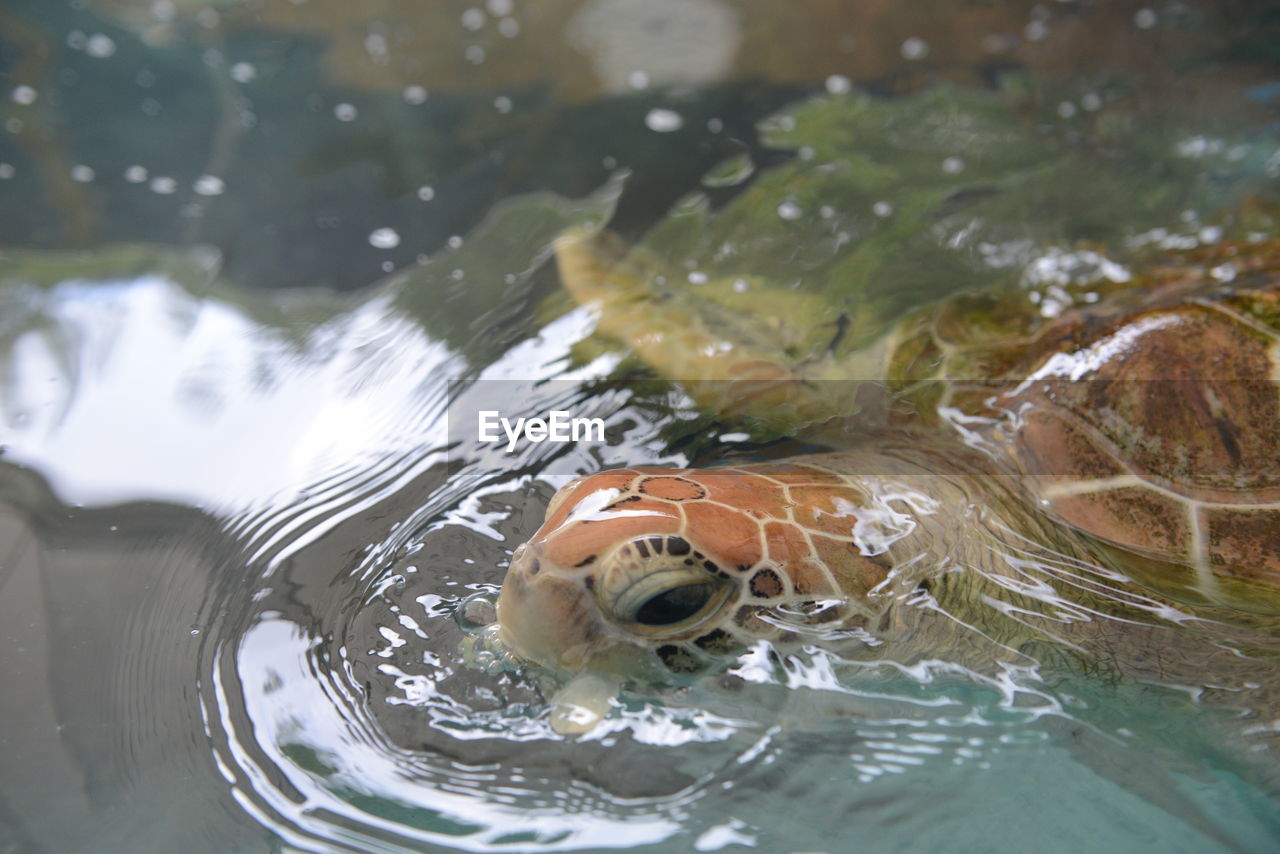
256 253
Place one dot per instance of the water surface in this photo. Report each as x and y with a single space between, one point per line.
256 253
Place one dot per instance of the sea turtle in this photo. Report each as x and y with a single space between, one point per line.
1097 483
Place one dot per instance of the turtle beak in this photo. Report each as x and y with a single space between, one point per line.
541 617
553 621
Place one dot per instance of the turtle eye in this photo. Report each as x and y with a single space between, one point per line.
675 604
659 586
664 601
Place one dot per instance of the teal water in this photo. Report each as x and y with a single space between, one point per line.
255 253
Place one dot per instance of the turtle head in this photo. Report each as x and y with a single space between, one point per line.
621 615
654 573
614 582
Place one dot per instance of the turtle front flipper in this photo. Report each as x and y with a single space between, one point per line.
585 258
741 349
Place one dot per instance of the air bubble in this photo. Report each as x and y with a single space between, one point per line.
1210 234
345 112
243 72
789 210
99 46
208 185
838 84
476 611
915 48
384 238
82 173
663 121
375 44
23 95
415 95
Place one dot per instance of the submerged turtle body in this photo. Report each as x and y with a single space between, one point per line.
1148 417
1156 429
1153 424
1015 469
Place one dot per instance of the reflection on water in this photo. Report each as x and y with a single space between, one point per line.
236 524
